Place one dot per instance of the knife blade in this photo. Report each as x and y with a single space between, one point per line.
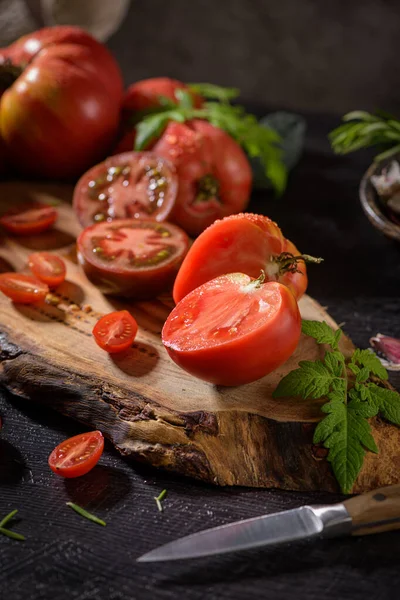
369 513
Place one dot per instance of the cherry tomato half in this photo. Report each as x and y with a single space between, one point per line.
24 289
132 257
243 243
233 329
115 332
128 185
29 219
77 455
47 267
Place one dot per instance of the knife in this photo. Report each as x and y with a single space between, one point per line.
373 512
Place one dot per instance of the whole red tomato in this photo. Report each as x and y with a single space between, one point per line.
213 171
60 111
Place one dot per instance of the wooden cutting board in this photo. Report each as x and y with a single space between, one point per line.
149 408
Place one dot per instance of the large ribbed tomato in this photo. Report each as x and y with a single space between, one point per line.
60 109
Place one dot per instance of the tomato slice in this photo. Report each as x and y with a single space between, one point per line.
233 329
29 219
132 257
77 455
128 185
47 267
115 332
244 243
24 289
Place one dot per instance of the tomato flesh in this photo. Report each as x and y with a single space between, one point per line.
115 332
244 243
23 289
132 257
29 219
128 185
233 329
77 455
47 267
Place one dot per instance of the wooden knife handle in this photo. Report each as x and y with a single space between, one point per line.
376 511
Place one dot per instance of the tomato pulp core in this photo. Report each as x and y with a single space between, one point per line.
71 453
114 331
217 315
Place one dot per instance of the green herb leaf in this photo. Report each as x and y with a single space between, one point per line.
369 360
159 499
388 402
8 518
311 380
184 98
87 515
12 534
321 332
214 92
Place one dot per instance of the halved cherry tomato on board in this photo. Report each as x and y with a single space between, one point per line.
132 257
29 219
77 455
115 332
243 243
47 267
24 289
233 329
128 185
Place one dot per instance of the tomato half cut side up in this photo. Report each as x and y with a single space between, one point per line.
135 258
47 267
115 332
127 185
77 455
233 330
23 289
29 219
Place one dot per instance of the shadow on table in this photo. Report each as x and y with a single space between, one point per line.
13 467
103 486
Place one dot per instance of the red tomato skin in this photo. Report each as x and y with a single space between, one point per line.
246 359
140 285
239 243
32 228
83 467
146 93
9 285
51 279
198 149
61 114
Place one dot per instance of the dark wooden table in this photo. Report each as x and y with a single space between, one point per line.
68 557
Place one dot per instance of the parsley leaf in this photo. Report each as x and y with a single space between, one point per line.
214 92
321 332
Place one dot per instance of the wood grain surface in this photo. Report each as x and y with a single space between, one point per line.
148 407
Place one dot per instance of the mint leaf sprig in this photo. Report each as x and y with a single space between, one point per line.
257 140
352 396
361 129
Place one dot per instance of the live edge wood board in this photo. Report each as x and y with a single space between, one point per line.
150 409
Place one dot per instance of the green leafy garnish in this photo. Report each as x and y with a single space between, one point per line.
214 92
84 513
159 499
8 532
257 140
352 397
361 129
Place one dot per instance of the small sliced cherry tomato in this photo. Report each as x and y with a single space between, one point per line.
29 219
47 267
132 257
243 243
233 330
24 289
115 332
128 185
77 455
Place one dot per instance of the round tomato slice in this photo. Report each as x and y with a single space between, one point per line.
47 267
24 289
77 455
243 243
132 257
233 329
29 219
115 332
127 185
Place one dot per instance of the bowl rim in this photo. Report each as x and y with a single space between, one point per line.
370 204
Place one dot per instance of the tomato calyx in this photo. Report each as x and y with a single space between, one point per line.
286 262
207 189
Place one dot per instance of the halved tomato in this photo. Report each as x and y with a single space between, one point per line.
243 243
47 267
29 219
77 455
233 329
115 332
128 185
132 257
24 289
